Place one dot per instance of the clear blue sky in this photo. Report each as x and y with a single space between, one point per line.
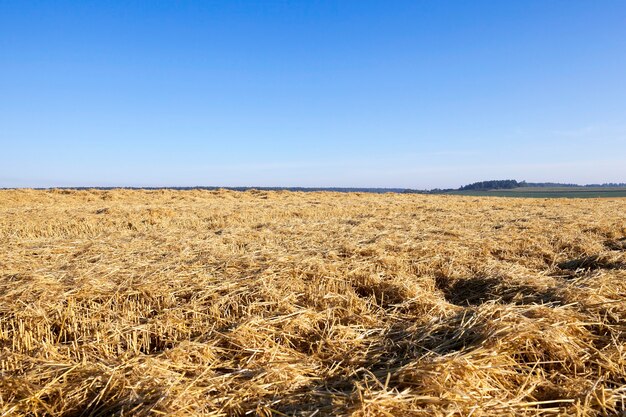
416 94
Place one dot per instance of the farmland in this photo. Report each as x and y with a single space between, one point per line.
215 303
548 192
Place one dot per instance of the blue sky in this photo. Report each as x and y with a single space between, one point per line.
417 94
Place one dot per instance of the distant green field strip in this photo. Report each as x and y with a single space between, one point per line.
567 189
560 192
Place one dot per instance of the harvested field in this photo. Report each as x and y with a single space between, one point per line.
223 303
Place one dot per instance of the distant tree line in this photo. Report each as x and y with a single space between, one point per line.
481 186
492 185
508 184
608 184
376 190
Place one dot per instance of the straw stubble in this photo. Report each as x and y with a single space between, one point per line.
223 303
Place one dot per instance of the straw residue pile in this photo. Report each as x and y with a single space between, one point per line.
275 303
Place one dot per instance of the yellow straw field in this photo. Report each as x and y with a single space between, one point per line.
220 303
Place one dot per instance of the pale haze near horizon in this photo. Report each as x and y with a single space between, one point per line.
311 94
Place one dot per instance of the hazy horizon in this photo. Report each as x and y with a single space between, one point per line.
326 94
